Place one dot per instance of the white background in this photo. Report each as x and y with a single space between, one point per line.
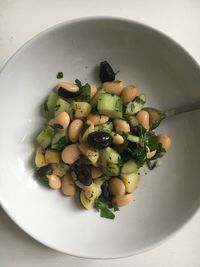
22 19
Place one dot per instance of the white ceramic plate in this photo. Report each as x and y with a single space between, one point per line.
166 197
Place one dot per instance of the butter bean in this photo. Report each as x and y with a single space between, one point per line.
68 86
114 87
116 187
143 118
54 181
118 139
70 154
121 126
165 140
61 119
97 119
96 172
74 130
93 90
128 94
68 187
123 200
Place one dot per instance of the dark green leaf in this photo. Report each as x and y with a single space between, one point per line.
78 83
85 93
60 75
62 142
104 207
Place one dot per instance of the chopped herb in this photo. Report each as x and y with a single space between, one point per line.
139 154
118 105
62 142
78 83
104 207
57 126
46 106
151 164
60 75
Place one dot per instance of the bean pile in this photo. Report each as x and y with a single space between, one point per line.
96 140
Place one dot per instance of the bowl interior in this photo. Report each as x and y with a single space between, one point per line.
165 198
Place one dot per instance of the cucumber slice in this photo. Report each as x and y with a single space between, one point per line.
48 106
133 121
129 167
96 97
59 141
106 127
133 138
135 106
45 136
110 105
130 181
81 109
111 170
60 106
109 155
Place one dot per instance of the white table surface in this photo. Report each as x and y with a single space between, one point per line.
22 19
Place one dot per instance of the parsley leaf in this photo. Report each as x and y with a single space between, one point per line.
84 90
59 75
78 83
139 154
85 93
104 207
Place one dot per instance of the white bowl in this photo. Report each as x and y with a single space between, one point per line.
166 197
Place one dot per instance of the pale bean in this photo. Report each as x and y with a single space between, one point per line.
123 200
121 126
116 187
62 119
150 154
118 139
128 94
70 154
97 119
165 140
68 187
74 130
68 86
143 118
154 116
54 181
114 87
96 172
93 90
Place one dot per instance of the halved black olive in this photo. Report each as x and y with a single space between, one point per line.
64 93
43 171
106 73
99 139
82 173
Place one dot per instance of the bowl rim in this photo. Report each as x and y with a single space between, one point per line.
188 216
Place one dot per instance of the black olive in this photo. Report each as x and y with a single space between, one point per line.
43 171
106 73
99 139
136 131
82 173
105 191
123 151
132 145
64 93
